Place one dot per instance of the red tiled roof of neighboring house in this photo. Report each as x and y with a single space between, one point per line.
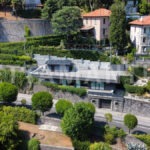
102 12
142 21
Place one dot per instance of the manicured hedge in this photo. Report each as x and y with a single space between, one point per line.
78 91
21 114
53 40
125 80
139 90
144 137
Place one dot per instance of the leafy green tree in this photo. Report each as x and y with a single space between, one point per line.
33 144
9 130
78 121
42 101
118 26
20 79
50 7
108 117
8 92
130 121
5 75
100 146
144 7
62 105
67 21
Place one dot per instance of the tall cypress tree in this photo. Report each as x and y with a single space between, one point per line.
118 26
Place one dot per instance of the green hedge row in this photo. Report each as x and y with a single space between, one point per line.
76 54
53 40
144 137
78 91
139 90
21 113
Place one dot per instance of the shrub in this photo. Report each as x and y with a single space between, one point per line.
139 90
78 121
21 114
144 137
23 101
27 31
62 105
42 101
125 80
130 121
100 146
114 131
108 117
78 91
33 144
109 138
8 92
81 145
139 71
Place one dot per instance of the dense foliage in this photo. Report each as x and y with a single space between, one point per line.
144 7
100 146
42 101
145 138
8 132
67 20
62 105
78 121
70 89
111 133
130 121
33 144
139 90
20 114
81 145
118 26
8 92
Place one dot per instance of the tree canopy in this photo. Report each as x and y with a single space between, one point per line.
8 92
8 132
67 21
78 121
62 105
144 7
118 37
130 121
42 101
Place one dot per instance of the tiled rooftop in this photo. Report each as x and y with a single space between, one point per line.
102 12
142 21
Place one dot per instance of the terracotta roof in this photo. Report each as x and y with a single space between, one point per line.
102 12
142 21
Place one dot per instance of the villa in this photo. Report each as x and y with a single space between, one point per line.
98 22
99 78
140 34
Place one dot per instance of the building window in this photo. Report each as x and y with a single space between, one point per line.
104 21
104 30
86 20
144 39
95 21
144 30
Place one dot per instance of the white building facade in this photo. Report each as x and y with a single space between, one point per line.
140 34
99 21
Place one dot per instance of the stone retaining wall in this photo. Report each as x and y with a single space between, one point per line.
12 31
60 94
136 107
